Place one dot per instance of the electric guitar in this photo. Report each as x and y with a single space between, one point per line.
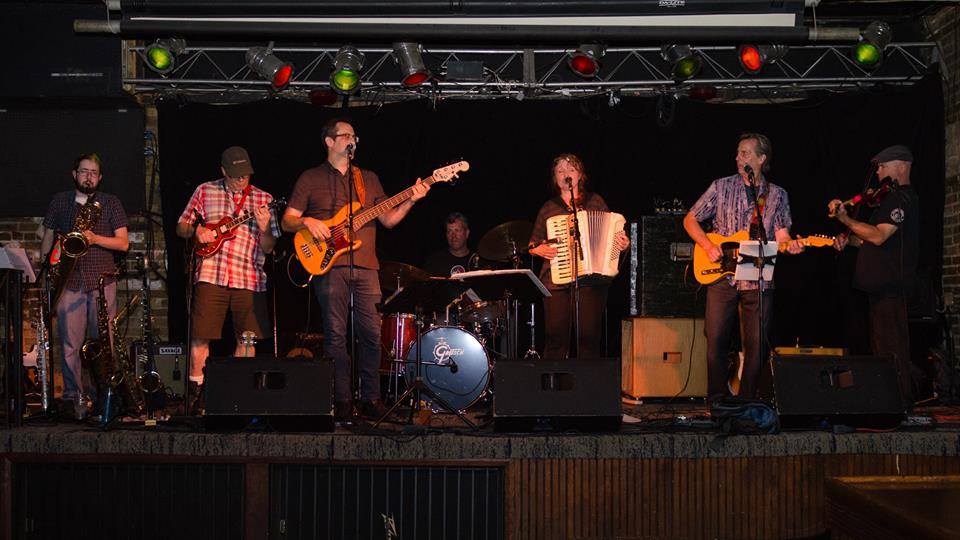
317 255
708 272
227 228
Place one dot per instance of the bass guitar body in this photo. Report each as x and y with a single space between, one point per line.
317 256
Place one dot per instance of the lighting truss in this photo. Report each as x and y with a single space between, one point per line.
540 73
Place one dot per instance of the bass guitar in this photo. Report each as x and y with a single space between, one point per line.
708 272
228 227
317 255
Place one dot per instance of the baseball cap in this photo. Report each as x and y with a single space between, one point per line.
236 162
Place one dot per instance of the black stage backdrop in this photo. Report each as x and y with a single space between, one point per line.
637 151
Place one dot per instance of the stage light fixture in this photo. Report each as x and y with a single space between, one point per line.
412 69
263 62
684 63
345 78
753 58
585 61
868 53
162 54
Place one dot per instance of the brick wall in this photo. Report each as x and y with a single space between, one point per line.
944 27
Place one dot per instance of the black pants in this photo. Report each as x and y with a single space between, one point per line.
890 336
723 303
556 313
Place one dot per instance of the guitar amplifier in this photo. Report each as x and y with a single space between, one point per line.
171 363
661 262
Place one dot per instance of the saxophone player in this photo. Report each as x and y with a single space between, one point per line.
100 239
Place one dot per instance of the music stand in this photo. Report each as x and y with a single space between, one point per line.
417 297
510 285
757 266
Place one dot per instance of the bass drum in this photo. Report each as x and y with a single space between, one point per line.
455 366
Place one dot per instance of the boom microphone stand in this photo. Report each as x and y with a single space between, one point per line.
760 261
352 286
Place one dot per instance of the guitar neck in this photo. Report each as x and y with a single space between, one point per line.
366 216
240 221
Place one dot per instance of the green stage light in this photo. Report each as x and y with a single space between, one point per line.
685 63
345 78
161 56
868 52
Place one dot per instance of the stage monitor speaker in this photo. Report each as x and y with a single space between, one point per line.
852 390
663 358
557 395
286 394
170 362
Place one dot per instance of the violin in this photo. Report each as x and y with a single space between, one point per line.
870 196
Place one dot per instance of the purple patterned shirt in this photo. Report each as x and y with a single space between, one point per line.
729 207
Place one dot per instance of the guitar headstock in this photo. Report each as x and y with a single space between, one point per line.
818 240
448 173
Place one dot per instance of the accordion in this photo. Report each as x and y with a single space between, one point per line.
598 255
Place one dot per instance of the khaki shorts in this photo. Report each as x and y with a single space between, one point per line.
248 310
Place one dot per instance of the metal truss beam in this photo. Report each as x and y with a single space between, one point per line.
539 73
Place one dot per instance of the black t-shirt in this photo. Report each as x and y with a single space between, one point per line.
445 264
887 270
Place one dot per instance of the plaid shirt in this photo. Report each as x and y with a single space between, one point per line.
60 216
729 206
239 262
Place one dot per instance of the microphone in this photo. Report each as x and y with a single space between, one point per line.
569 182
453 366
350 150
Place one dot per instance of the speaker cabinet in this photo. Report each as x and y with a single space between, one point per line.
852 390
665 253
170 362
288 394
557 395
663 357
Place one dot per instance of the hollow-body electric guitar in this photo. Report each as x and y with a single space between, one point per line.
317 255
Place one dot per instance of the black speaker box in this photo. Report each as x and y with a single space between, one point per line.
815 391
286 394
550 395
665 253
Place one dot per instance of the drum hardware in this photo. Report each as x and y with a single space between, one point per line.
532 353
418 297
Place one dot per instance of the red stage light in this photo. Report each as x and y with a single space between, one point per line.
750 59
416 79
282 77
585 61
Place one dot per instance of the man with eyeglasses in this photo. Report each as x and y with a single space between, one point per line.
232 278
318 195
887 262
77 308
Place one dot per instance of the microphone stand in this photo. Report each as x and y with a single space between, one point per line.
760 262
575 252
191 259
351 308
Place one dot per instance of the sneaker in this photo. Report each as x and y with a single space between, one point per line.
372 409
342 410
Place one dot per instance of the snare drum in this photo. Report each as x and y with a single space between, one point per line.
397 332
482 312
455 366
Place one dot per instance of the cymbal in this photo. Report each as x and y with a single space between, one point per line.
391 272
506 240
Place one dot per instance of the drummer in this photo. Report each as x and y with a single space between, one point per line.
456 258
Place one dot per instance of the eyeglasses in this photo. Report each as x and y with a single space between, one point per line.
87 172
348 135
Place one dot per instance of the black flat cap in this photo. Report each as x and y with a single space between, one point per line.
894 153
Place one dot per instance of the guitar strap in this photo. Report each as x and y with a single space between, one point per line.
358 185
246 191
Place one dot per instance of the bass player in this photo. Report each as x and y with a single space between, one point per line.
318 195
232 277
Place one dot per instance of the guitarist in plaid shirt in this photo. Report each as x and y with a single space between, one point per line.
233 277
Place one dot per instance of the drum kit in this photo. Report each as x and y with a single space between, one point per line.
458 345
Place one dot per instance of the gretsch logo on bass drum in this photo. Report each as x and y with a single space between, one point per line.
442 352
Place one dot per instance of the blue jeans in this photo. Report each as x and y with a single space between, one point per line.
333 293
76 313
